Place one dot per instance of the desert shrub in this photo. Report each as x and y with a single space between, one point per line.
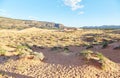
88 38
2 52
66 49
86 54
23 50
97 57
60 49
100 56
84 44
38 46
38 55
26 52
101 59
27 45
104 44
41 47
89 46
55 48
20 48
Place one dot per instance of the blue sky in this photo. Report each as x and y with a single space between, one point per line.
68 12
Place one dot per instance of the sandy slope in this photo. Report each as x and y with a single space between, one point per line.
60 65
57 64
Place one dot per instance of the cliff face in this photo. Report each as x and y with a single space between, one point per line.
9 23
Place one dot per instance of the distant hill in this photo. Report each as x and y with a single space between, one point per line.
9 23
102 27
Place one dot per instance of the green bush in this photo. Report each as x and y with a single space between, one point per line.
56 48
86 54
101 60
96 56
89 46
66 49
104 44
23 50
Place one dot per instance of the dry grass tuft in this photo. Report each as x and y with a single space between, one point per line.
98 59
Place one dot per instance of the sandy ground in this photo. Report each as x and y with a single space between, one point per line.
58 64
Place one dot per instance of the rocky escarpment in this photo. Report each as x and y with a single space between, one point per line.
9 23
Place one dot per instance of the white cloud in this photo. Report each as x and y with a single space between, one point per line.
74 4
81 12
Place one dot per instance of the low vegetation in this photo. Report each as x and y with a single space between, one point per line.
89 46
52 38
23 51
2 52
24 42
87 54
39 55
98 58
104 44
56 48
66 49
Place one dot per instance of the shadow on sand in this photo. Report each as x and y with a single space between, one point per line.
71 57
15 75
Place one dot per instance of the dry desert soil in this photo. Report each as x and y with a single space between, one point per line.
61 51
